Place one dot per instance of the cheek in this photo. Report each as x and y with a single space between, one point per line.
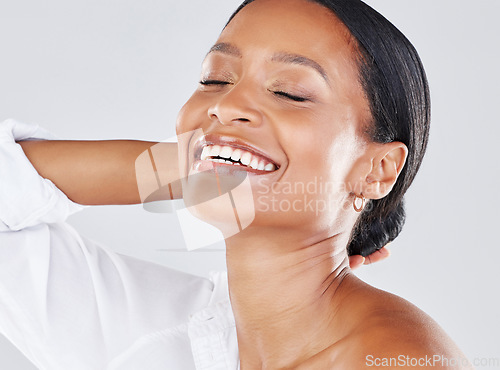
320 157
321 145
191 115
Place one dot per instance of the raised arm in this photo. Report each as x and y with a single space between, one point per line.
105 172
99 172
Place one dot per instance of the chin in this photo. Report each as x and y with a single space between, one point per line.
231 212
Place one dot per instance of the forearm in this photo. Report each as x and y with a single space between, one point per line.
99 172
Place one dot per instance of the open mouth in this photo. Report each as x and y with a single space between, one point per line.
230 152
236 157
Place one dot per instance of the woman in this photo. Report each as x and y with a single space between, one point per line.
312 90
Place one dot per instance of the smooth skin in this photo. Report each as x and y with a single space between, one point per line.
104 173
296 302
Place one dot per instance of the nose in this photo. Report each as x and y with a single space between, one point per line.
237 106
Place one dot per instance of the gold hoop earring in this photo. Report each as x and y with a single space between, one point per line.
363 202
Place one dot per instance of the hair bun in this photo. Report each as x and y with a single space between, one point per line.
373 232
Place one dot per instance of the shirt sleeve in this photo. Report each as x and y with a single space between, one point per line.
27 199
67 302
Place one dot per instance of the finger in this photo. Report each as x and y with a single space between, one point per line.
356 261
377 256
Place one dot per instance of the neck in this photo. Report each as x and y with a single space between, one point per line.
284 293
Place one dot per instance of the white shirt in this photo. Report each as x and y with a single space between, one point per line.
67 302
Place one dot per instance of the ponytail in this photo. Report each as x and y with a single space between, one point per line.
373 231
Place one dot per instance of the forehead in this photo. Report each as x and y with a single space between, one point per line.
266 28
298 26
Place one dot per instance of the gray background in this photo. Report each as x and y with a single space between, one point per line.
122 69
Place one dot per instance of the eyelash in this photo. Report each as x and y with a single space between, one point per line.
280 93
290 96
213 82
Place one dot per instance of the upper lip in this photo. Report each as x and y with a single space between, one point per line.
222 140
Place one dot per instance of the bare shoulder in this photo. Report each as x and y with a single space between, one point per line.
389 332
394 333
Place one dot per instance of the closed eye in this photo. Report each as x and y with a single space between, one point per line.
213 82
280 93
290 96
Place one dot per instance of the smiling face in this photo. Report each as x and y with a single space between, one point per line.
280 99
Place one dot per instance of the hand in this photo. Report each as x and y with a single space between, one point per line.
358 260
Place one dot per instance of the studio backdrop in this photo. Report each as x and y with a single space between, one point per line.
113 69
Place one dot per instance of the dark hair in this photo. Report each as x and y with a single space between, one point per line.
394 81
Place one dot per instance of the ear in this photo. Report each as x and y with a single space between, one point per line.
387 163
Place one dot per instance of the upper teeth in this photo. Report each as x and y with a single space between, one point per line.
210 152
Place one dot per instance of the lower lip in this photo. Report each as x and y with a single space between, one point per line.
201 166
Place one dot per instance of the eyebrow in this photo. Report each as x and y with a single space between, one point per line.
226 48
232 50
300 60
